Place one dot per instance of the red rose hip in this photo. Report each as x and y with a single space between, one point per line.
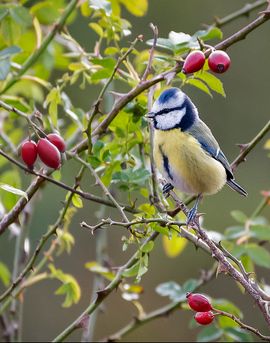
204 318
194 62
219 61
58 141
48 153
29 153
198 302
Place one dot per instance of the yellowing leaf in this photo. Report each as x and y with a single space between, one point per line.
136 7
173 246
267 144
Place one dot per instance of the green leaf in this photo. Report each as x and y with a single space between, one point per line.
14 190
238 335
212 82
211 33
97 28
148 247
239 216
133 270
227 306
53 99
136 7
209 334
190 285
4 274
21 15
3 12
77 201
12 178
234 232
107 62
103 5
46 12
258 254
261 232
11 31
101 74
70 287
199 84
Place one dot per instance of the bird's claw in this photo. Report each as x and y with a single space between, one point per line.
166 189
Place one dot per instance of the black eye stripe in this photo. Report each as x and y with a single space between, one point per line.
168 110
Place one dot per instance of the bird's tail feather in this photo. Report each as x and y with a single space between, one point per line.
231 183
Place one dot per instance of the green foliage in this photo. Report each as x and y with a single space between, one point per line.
69 288
4 274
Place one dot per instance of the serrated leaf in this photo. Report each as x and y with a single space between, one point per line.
174 246
53 99
4 274
14 190
239 216
212 82
199 84
209 334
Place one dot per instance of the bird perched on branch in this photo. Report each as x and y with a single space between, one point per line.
185 150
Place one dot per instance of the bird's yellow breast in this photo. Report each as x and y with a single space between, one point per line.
183 162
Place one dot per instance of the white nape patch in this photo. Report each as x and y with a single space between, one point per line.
176 100
169 120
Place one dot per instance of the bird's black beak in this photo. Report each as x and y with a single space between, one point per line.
150 115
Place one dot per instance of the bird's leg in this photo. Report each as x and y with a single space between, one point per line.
166 189
193 211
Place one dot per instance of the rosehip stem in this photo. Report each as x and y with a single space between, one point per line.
241 324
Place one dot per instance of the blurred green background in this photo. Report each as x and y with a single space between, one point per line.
235 119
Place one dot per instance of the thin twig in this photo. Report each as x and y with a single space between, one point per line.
84 195
103 187
249 146
31 262
95 107
244 11
152 51
164 311
243 325
102 295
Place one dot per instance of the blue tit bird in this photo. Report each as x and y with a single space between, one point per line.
185 150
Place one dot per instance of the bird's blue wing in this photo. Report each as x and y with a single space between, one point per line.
204 136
